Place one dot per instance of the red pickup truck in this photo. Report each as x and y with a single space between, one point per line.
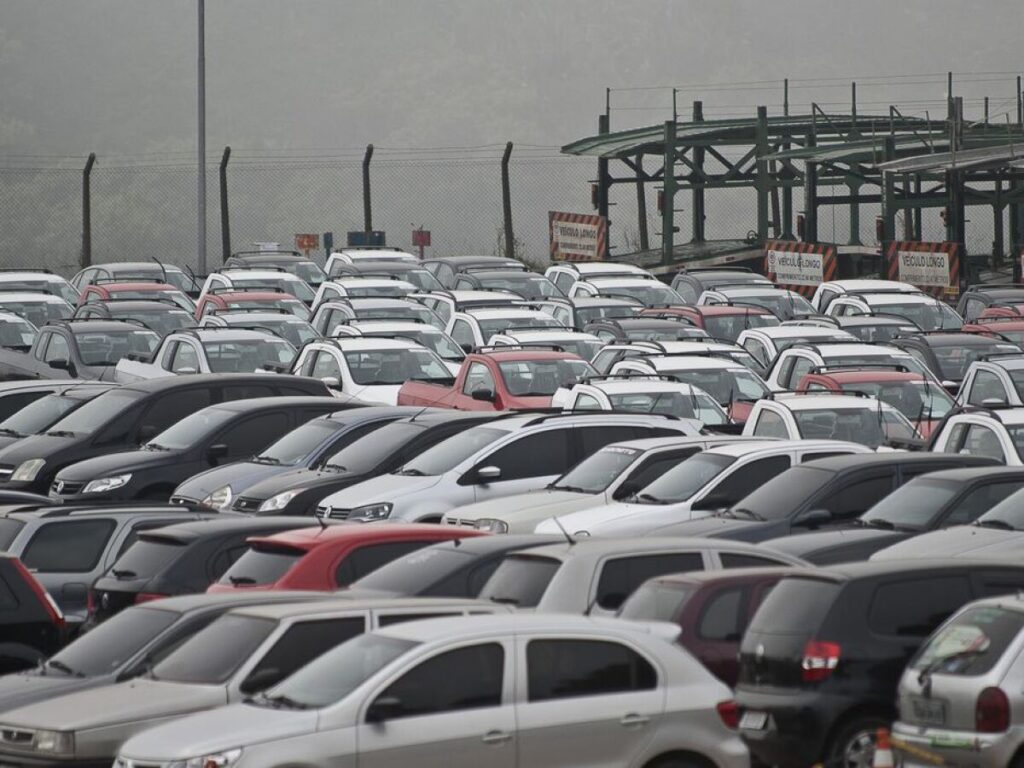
500 381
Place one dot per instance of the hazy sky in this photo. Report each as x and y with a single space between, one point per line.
118 76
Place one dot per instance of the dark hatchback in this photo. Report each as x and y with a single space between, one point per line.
821 660
949 355
31 626
130 415
299 491
822 494
928 503
216 435
44 412
180 559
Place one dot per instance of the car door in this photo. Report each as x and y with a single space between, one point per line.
603 697
454 708
527 463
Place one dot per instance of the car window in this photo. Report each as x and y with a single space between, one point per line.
250 435
172 407
463 334
566 669
986 387
801 367
737 560
466 678
133 533
478 377
520 580
972 643
69 546
979 501
8 601
586 403
724 616
369 558
537 455
594 439
758 350
915 607
849 500
982 441
299 645
622 575
325 366
770 424
185 359
214 654
57 348
654 467
742 480
687 291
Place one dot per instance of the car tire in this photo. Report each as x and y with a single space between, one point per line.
853 744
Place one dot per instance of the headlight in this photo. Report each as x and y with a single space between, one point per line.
105 484
492 525
217 760
280 501
54 742
371 512
219 499
27 470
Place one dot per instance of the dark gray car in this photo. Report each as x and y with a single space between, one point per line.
42 413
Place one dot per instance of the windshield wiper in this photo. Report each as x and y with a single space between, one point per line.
239 580
266 460
411 472
749 514
996 523
570 488
280 701
11 432
60 433
336 467
646 498
155 447
60 666
878 522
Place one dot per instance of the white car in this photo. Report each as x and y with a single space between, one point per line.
577 313
37 308
642 394
537 691
565 273
447 303
826 292
330 314
613 473
362 288
473 327
998 434
648 290
354 255
611 354
370 369
766 343
705 483
993 383
259 279
792 364
783 303
424 334
925 312
38 281
510 455
583 345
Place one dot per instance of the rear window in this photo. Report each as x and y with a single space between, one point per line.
915 607
69 546
657 601
520 580
9 528
262 565
795 606
410 574
972 643
147 557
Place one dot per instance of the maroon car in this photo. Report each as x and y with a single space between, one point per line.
713 609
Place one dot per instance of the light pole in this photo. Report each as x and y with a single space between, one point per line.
201 156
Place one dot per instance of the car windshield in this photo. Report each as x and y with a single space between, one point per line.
377 367
371 450
868 426
585 315
685 479
421 278
53 287
262 564
449 453
97 412
596 472
784 304
927 316
300 442
108 347
879 332
110 645
653 295
415 573
1007 513
294 306
955 359
439 343
582 348
493 326
657 601
782 495
192 429
666 334
541 378
307 271
147 557
916 400
39 313
382 291
688 405
39 414
216 652
528 286
913 506
162 321
520 580
248 355
177 297
729 327
16 333
293 287
972 643
725 385
180 280
415 312
334 675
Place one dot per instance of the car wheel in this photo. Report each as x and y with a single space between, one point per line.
853 745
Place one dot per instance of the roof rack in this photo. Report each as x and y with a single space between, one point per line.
543 329
219 289
488 348
698 270
619 296
109 280
378 276
994 356
630 375
263 268
826 369
561 412
881 316
249 310
73 319
281 252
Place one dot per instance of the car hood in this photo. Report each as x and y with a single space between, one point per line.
382 394
624 519
382 488
129 702
294 479
24 689
224 728
512 507
806 544
37 447
240 476
715 527
116 463
962 540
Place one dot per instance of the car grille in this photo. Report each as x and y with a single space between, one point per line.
6 470
16 738
63 488
243 504
461 522
332 513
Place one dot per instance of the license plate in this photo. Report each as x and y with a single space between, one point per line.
928 711
754 721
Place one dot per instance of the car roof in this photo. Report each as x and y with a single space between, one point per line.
194 530
970 474
776 446
750 290
235 598
371 343
713 310
34 384
256 274
149 266
458 627
867 460
846 320
286 402
1009 363
599 267
28 296
670 362
101 326
729 575
598 547
230 334
852 376
319 535
868 284
242 316
846 348
503 272
479 546
802 331
356 281
138 305
639 386
249 296
601 301
28 274
380 302
885 299
623 280
961 339
523 355
809 401
135 285
370 324
499 313
874 568
285 610
174 382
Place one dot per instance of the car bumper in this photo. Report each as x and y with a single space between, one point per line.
794 732
11 760
968 749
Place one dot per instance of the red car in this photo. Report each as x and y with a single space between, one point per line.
920 399
713 608
1007 327
140 291
241 299
326 558
721 321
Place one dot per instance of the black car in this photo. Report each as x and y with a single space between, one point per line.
217 435
304 447
529 285
180 559
299 491
131 415
876 327
644 329
31 627
822 657
825 493
927 503
446 268
693 282
977 298
43 413
409 271
159 315
949 355
451 569
15 395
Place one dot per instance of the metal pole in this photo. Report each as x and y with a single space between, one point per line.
998 245
889 195
668 194
602 172
1020 102
787 191
225 219
917 210
641 204
908 224
762 182
201 148
86 257
506 203
698 214
367 200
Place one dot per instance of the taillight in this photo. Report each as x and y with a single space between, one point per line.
52 609
820 659
145 597
730 713
90 602
992 712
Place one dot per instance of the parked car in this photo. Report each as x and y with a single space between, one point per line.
641 394
832 289
37 308
926 312
565 273
646 289
765 344
794 363
529 285
265 279
583 345
127 271
949 355
724 322
130 415
359 254
37 281
41 414
362 287
931 502
280 322
32 625
977 298
876 328
626 330
292 262
691 283
328 315
16 333
474 326
712 608
409 271
781 302
595 576
996 434
236 656
994 383
159 315
821 660
238 299
218 434
443 304
102 289
1007 328
446 268
440 692
581 311
424 334
327 559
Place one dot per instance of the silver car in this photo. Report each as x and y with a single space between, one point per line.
495 691
962 697
238 655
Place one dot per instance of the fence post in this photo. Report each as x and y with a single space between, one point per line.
87 211
225 219
367 201
506 203
641 204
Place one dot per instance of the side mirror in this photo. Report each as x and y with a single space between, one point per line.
216 451
467 348
384 708
262 679
993 402
625 490
813 518
487 474
953 387
331 381
61 365
487 395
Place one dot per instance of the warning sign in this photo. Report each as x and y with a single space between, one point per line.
578 236
796 268
932 267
